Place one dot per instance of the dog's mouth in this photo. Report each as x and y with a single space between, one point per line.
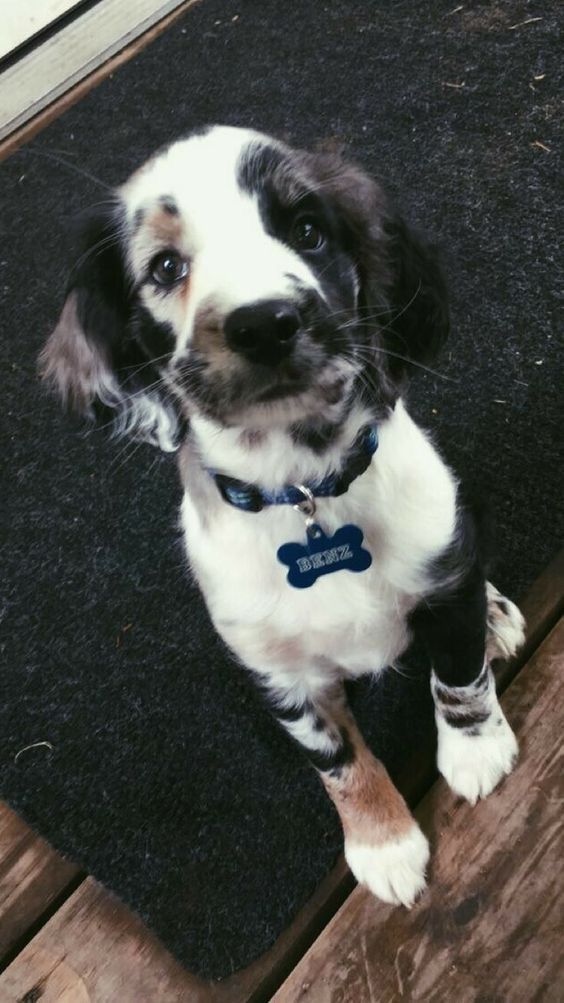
287 380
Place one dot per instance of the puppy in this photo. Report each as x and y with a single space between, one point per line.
258 309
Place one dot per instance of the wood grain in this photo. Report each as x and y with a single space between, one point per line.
93 949
32 878
491 925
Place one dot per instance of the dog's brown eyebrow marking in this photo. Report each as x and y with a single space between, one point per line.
165 213
164 225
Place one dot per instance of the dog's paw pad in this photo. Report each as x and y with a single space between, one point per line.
474 764
505 625
394 871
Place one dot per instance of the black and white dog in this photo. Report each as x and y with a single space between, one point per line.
258 308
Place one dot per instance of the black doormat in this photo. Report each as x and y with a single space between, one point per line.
166 779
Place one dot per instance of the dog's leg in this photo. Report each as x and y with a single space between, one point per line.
384 847
476 746
505 625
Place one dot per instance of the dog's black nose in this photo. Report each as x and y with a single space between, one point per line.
263 332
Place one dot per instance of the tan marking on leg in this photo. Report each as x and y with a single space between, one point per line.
371 809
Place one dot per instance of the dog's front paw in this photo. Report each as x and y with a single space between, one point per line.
394 871
505 625
474 761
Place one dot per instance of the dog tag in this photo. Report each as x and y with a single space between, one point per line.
323 555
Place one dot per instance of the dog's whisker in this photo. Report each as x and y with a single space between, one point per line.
412 362
96 249
130 449
358 315
135 369
37 152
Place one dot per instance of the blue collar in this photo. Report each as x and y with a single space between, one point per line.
251 498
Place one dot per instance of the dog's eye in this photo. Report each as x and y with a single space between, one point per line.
168 268
306 235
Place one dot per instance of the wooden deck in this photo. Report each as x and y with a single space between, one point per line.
490 927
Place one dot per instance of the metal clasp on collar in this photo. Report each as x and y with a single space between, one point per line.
308 508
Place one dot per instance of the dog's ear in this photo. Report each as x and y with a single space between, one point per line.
92 358
401 285
418 322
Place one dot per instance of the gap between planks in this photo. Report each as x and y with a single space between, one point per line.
34 880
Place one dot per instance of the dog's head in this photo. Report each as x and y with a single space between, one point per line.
239 278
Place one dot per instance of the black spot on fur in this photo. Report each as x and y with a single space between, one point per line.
314 436
449 698
502 605
466 720
169 205
257 164
285 713
334 761
291 714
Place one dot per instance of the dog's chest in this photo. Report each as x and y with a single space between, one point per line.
357 620
266 620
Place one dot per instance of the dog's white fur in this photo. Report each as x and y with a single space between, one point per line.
393 871
473 764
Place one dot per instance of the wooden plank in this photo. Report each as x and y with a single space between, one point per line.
491 924
542 607
32 878
71 54
23 20
94 950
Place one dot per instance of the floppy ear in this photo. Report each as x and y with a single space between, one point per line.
93 358
418 323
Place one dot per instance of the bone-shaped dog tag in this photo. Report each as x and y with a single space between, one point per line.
323 555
